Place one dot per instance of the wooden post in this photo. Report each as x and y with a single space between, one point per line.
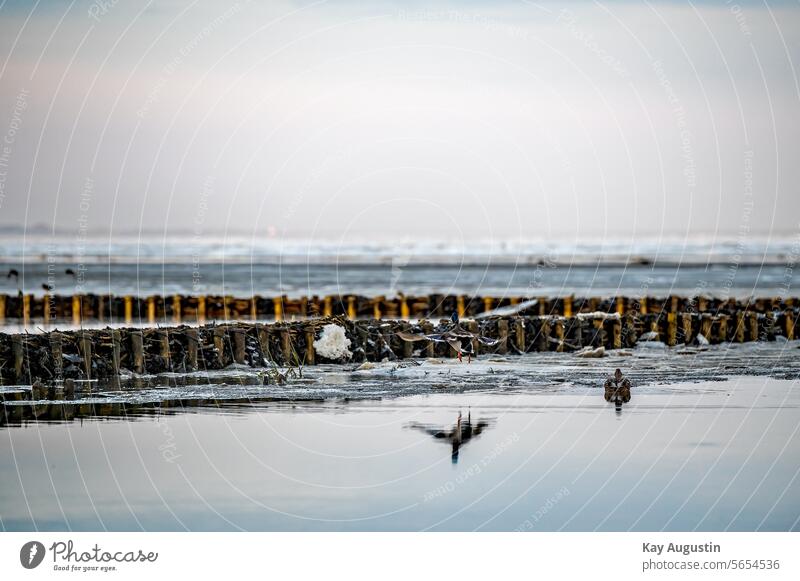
26 310
753 326
327 306
254 307
116 349
263 342
226 315
278 303
722 331
672 328
238 345
558 331
151 309
542 302
2 309
430 348
769 325
620 306
219 344
57 353
687 328
85 348
192 344
740 325
128 309
487 304
643 306
616 333
311 356
286 346
705 326
137 350
460 306
18 351
702 304
76 310
351 307
502 332
46 309
376 307
789 324
519 334
568 306
405 314
176 309
164 347
201 309
673 304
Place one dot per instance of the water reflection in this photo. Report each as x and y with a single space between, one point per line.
24 412
458 435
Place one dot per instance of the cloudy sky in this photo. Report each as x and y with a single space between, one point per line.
393 118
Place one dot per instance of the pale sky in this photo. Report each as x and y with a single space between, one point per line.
343 118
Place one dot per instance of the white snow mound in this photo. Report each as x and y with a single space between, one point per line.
333 343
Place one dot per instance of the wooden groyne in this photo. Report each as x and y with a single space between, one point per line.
101 353
198 309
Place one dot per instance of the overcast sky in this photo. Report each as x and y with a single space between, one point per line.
345 118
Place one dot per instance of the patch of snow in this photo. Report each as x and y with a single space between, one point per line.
333 343
588 352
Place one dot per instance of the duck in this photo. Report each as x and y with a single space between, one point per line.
456 336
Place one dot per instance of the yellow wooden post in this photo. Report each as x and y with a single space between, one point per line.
376 307
621 305
176 308
151 309
404 311
278 302
740 327
789 322
568 306
2 309
643 306
672 329
460 306
327 307
254 307
128 308
487 304
201 309
26 309
76 310
351 307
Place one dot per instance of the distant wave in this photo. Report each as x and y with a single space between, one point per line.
240 249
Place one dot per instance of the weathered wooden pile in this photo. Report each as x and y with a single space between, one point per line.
100 353
51 309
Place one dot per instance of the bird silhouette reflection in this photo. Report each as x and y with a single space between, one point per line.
458 435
